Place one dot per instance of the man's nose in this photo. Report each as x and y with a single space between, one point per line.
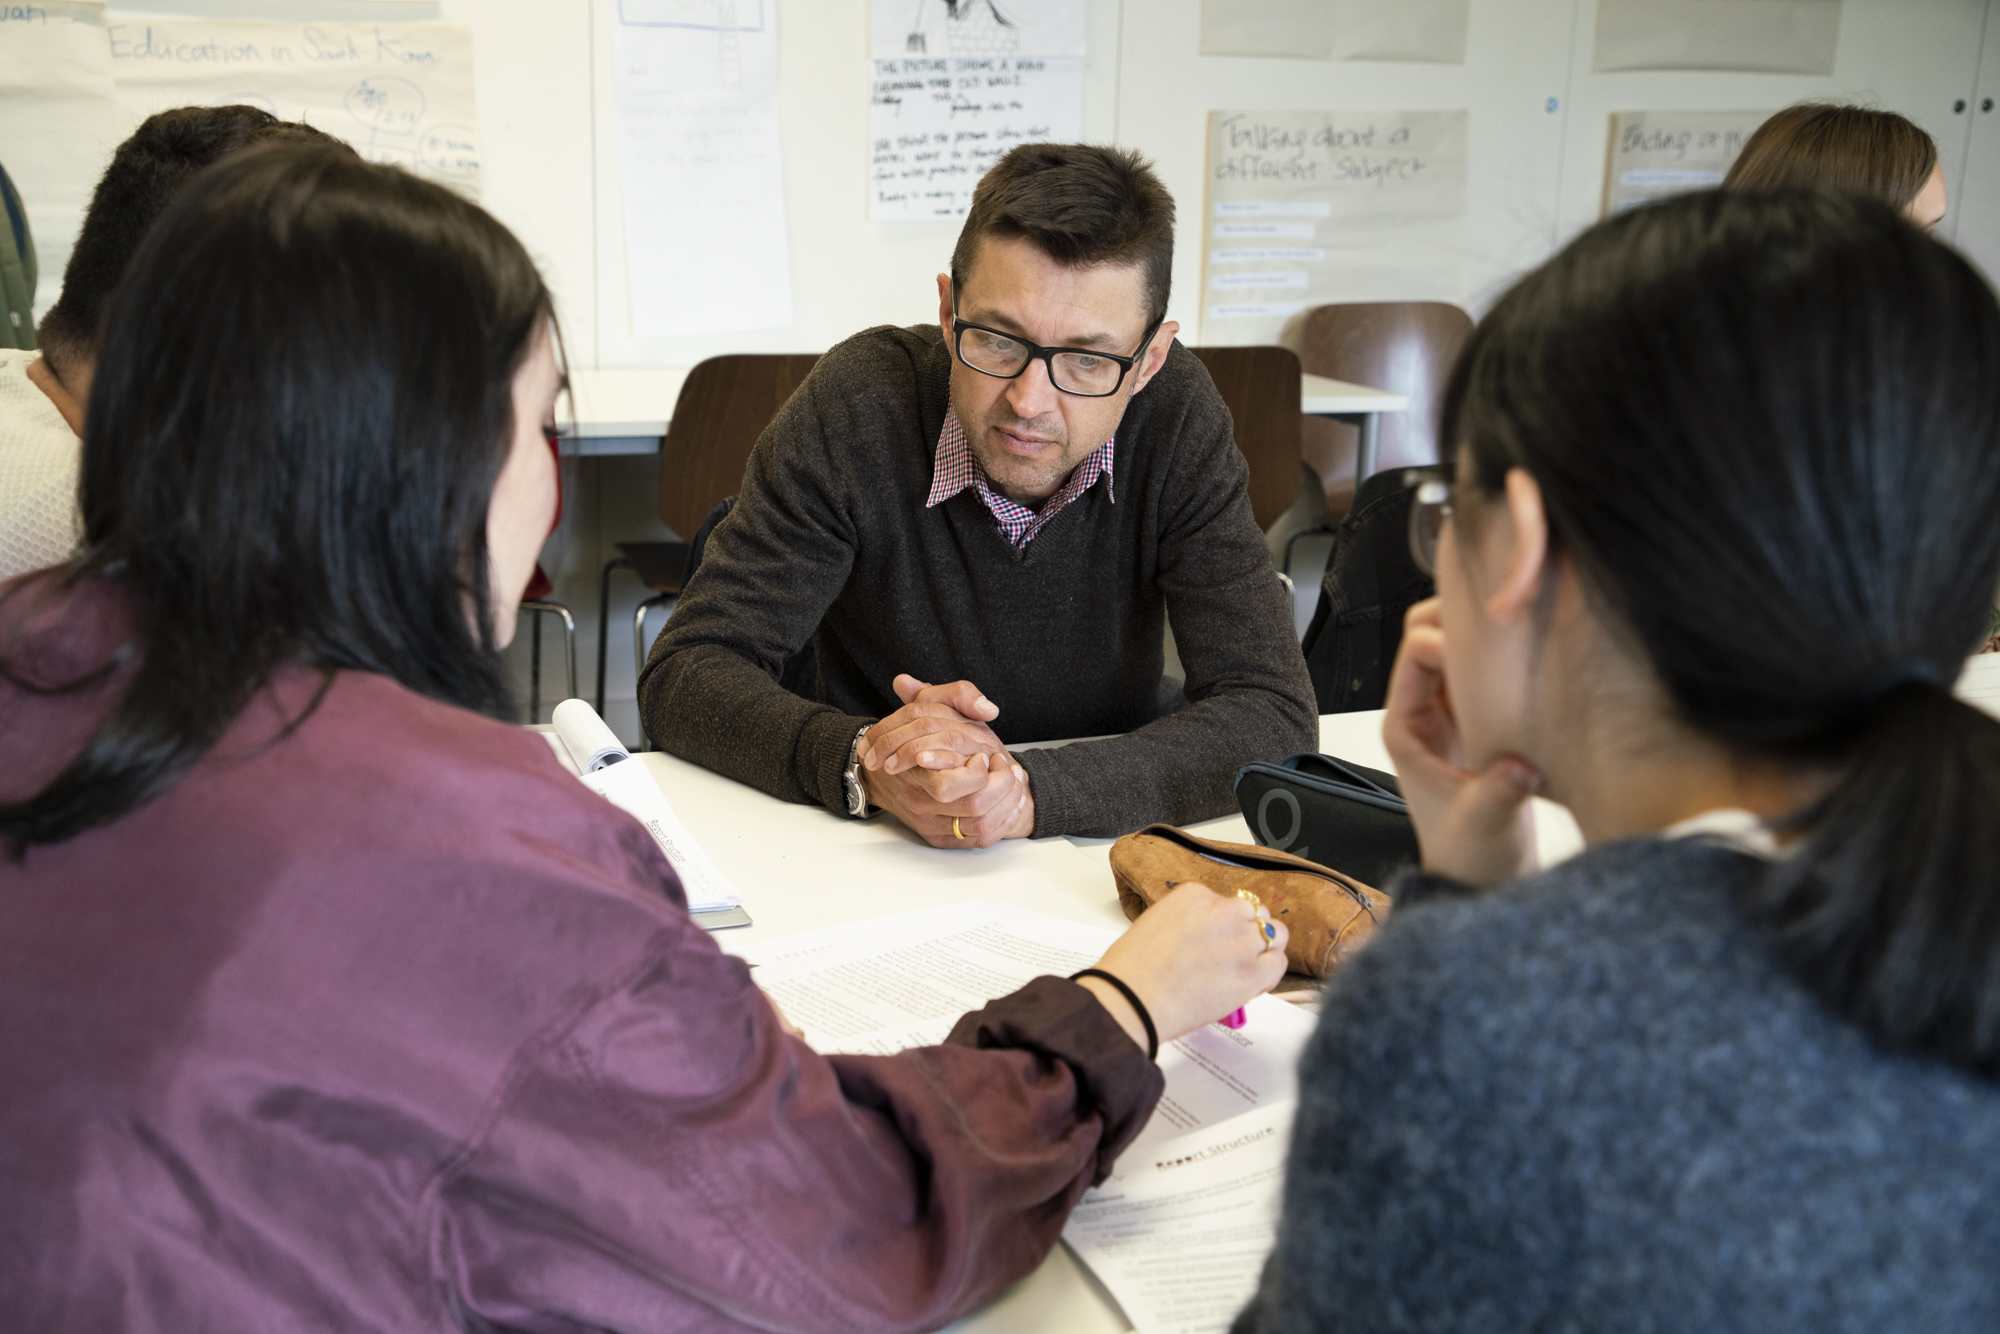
1031 393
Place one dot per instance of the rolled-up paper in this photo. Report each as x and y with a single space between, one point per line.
591 745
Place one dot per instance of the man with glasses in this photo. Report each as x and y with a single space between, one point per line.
983 527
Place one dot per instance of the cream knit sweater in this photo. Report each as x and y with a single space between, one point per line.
39 523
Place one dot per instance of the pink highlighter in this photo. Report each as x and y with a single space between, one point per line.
1234 1019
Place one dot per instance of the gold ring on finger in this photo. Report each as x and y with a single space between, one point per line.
956 832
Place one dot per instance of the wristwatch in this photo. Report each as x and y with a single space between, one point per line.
850 778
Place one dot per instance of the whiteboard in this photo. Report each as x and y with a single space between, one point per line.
1539 123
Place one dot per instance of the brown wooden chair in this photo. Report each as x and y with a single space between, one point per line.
725 403
1404 347
1261 387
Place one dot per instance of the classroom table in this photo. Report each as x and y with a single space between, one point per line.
801 867
626 412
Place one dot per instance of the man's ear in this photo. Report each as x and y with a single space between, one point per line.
1156 353
1527 533
944 305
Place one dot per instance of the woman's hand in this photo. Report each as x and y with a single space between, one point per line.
1474 827
1192 958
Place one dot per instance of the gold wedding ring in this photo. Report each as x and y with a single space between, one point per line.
956 832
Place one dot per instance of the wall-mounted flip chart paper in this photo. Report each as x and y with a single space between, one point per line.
1430 31
1659 153
399 92
1775 36
1308 208
956 84
706 245
61 119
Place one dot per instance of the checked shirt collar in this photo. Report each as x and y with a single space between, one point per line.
957 469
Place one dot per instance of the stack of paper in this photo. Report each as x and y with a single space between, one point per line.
1179 1232
597 757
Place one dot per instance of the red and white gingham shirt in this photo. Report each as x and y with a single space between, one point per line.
956 469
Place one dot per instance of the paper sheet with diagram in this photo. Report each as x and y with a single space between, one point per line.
956 84
400 92
1655 154
1180 1230
1430 31
1773 36
1307 208
707 248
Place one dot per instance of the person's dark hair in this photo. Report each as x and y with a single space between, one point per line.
302 405
1767 430
1081 205
147 172
1842 147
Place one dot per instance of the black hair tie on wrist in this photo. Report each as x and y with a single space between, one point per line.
1152 1034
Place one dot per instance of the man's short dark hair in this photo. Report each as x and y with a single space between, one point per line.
1080 205
146 174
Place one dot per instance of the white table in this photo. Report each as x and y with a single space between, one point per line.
626 412
1358 406
800 867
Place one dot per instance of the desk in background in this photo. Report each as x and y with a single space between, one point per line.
626 412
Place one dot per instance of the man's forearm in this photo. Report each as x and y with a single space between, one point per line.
708 704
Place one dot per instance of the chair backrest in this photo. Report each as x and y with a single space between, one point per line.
1261 387
725 404
1405 347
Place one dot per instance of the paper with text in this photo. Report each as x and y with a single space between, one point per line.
630 788
60 111
707 249
400 92
1180 1231
1308 208
1655 154
957 86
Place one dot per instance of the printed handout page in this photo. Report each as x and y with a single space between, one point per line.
707 249
1431 31
630 788
1979 684
880 987
1180 1230
1306 208
1655 154
60 111
400 92
957 83
1774 36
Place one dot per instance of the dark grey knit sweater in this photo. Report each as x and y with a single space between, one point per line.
1597 1101
831 541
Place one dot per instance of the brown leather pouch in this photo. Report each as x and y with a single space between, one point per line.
1329 915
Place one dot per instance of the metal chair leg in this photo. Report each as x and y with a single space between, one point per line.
639 647
540 608
604 620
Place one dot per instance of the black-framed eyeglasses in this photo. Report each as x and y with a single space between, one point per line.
1073 370
1429 508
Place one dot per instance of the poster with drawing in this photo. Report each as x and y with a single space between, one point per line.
399 92
707 248
956 84
1655 154
1308 208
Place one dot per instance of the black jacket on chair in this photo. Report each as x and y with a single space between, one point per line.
1371 580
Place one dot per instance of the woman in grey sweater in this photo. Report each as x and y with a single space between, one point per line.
1720 527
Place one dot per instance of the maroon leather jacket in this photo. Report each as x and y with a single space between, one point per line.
390 1024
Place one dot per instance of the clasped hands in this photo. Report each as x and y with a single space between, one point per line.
936 765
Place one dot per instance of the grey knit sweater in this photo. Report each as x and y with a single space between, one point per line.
1596 1100
831 541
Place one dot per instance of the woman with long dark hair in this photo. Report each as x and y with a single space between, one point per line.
327 1000
1717 536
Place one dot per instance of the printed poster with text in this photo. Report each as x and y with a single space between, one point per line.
1311 208
956 84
